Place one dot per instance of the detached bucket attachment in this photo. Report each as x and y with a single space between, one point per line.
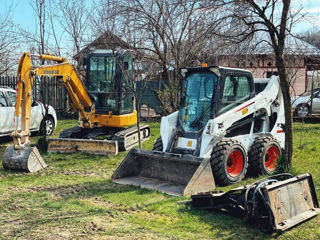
173 174
27 159
70 145
271 204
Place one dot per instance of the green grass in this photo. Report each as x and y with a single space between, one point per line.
74 199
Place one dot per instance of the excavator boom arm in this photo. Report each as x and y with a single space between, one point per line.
75 87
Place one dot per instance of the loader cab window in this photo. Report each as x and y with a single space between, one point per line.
101 82
196 100
3 101
236 90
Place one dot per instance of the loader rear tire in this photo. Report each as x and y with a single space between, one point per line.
229 162
157 146
263 156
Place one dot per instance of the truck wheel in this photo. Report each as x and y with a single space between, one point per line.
229 162
157 146
263 155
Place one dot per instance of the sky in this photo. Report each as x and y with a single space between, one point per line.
23 13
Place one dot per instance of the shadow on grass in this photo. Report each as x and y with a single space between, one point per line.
226 222
90 189
100 189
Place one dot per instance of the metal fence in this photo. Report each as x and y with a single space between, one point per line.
148 95
48 90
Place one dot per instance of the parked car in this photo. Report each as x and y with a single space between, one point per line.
37 122
301 105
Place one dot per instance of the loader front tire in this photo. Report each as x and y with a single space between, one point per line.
264 155
157 146
229 162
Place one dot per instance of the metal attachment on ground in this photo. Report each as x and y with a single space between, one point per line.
272 203
27 159
170 173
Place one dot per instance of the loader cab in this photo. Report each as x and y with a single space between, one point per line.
109 76
209 92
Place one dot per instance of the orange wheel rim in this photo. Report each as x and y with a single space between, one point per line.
235 163
271 158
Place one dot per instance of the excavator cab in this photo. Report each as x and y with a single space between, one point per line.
108 78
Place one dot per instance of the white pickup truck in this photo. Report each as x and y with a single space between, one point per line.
37 123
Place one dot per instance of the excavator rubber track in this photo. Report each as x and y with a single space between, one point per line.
128 138
82 140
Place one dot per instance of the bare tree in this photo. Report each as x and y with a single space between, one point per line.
274 18
140 71
312 37
74 19
171 33
8 42
39 6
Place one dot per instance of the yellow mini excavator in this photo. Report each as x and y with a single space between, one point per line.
105 104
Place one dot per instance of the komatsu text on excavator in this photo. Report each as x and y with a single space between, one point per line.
105 104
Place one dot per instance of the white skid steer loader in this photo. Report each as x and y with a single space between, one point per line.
222 129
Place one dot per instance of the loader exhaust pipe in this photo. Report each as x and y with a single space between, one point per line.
170 173
26 159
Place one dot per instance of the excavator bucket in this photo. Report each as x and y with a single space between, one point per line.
69 145
27 159
170 173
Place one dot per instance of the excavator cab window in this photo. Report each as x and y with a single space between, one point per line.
197 100
101 82
126 103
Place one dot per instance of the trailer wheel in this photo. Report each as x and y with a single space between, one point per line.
229 162
157 146
264 155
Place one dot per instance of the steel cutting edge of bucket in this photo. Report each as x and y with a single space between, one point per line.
69 145
173 174
26 159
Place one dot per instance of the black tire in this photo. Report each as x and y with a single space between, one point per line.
302 110
47 126
227 169
263 156
157 146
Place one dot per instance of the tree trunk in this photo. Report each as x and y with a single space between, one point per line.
285 88
138 122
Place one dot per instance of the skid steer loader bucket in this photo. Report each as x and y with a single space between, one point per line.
69 145
173 174
27 159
